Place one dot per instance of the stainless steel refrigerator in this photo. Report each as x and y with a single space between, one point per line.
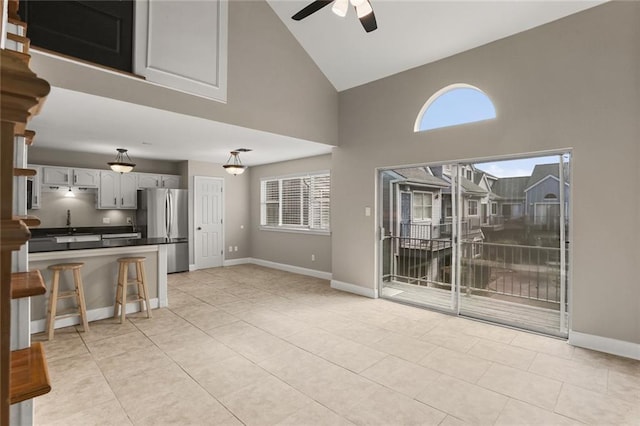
163 213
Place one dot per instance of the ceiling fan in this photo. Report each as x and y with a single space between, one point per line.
363 10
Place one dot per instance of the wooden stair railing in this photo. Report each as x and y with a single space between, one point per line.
23 373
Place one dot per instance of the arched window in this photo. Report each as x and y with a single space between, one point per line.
455 104
550 196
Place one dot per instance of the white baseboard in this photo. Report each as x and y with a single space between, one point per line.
233 262
356 289
290 268
192 267
605 344
40 325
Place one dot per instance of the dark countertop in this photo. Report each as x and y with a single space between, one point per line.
51 232
48 246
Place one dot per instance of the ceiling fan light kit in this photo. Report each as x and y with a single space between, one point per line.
340 7
363 9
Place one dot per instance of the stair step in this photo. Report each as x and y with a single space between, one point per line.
29 374
27 284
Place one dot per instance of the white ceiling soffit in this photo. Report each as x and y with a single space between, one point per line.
411 32
80 122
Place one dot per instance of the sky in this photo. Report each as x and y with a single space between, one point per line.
457 106
519 167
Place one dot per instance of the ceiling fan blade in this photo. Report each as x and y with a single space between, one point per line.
311 8
369 21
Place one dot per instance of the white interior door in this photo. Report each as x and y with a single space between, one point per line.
208 235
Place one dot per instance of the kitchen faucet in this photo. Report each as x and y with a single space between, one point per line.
69 220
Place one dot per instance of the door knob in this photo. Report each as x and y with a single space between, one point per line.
199 228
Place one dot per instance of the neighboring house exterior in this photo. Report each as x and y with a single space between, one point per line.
542 197
513 209
510 193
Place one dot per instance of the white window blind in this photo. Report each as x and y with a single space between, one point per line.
296 202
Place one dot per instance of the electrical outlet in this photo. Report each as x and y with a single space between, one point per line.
235 248
313 257
129 222
106 220
230 249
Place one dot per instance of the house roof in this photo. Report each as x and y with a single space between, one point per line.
470 187
420 175
541 171
511 187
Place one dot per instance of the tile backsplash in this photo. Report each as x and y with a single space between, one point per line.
53 213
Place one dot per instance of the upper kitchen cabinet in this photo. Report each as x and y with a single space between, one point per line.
151 180
183 45
170 181
56 175
86 178
117 190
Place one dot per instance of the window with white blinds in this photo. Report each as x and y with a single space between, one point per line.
296 202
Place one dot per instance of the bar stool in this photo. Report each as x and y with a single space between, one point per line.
56 295
140 282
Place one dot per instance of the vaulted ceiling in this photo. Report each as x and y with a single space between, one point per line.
411 32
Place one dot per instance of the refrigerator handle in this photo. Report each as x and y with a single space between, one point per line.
167 211
171 218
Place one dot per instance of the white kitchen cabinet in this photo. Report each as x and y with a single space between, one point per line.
170 181
36 186
117 191
148 180
86 178
67 176
56 175
128 191
152 180
184 48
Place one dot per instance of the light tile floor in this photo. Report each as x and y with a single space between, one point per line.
257 346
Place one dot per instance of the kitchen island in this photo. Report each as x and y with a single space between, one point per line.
99 274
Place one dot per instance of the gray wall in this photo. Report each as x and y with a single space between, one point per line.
58 157
236 207
287 247
571 83
83 210
273 85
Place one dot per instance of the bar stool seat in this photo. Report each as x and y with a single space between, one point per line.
56 295
140 281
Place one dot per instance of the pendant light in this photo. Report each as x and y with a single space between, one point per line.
120 165
234 166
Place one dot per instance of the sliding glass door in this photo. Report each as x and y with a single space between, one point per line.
487 240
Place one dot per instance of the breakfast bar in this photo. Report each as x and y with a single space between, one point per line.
99 273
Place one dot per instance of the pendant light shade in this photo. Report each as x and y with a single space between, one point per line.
234 166
123 163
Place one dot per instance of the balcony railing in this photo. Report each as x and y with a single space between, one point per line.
468 226
523 272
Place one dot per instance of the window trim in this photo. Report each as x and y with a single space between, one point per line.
299 229
442 91
469 208
413 198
